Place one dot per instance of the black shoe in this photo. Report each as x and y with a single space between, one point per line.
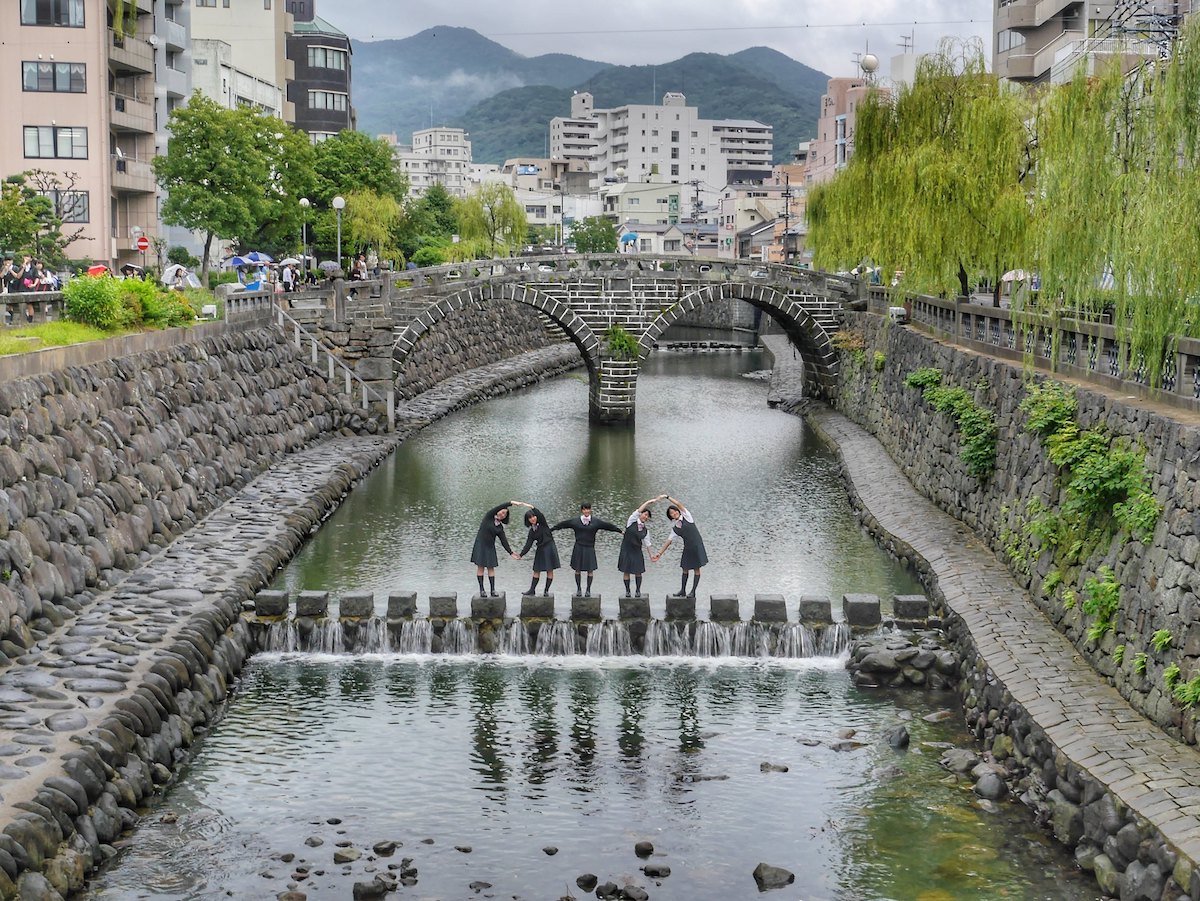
692 595
526 594
495 594
545 594
587 594
628 595
680 594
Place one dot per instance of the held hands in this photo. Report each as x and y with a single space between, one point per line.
516 556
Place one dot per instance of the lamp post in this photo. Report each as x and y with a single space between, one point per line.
339 204
562 217
305 203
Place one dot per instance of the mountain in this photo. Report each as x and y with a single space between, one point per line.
435 76
456 76
766 86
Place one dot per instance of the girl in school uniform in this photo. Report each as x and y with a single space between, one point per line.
483 554
631 561
545 554
694 555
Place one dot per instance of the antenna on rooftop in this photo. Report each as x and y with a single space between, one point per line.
868 64
907 42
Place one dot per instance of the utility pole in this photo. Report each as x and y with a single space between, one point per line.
787 211
697 209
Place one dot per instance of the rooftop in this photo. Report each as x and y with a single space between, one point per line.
318 26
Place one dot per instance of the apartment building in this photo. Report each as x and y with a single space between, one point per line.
1039 42
440 156
637 141
830 150
88 103
240 54
320 92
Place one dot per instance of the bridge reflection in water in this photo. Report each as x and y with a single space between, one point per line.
588 296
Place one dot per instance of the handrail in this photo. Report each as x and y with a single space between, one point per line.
282 319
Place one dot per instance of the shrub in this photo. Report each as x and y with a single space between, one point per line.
1139 663
1102 598
924 378
880 360
1161 640
976 425
1118 654
621 345
94 301
428 256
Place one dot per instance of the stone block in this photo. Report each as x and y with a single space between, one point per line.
910 606
402 605
770 608
861 610
535 607
585 609
271 603
487 607
681 608
312 603
816 611
635 608
373 369
723 608
356 605
443 606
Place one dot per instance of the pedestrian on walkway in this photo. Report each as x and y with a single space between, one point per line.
545 554
483 554
632 562
583 555
694 555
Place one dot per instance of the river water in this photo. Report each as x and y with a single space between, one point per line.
510 777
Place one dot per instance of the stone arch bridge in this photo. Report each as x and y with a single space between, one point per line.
586 295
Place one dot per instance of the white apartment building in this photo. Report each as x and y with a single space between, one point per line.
637 141
255 70
437 156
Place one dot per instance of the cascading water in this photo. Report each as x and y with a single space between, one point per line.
608 639
556 639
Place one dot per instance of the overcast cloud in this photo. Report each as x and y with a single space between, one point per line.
824 34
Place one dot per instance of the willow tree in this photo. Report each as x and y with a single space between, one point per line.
937 183
1118 200
493 216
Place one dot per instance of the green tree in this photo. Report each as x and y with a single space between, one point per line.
58 202
429 220
493 217
595 234
291 167
353 161
371 220
216 171
937 183
19 215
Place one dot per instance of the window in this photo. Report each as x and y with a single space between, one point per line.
55 142
331 100
675 169
326 58
318 136
1009 40
674 137
52 12
674 153
65 78
634 201
266 4
206 2
70 206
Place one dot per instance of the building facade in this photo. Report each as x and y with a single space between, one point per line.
256 35
320 91
437 156
671 140
830 150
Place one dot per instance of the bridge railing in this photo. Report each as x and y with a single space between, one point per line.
31 308
1091 350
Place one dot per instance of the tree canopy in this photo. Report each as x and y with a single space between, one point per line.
595 234
493 217
936 184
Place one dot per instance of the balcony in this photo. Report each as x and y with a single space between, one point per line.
136 176
1016 15
173 34
131 114
130 54
175 82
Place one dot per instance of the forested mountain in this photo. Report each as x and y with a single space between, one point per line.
455 76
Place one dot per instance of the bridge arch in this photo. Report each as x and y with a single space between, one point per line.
808 322
559 311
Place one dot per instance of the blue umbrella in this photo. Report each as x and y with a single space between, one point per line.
255 257
629 237
238 262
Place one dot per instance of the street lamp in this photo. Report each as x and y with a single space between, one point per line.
305 203
339 204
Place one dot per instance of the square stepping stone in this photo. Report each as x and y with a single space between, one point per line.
443 606
402 605
680 608
635 608
271 603
537 606
356 605
724 608
585 609
910 606
816 611
770 608
488 607
312 603
861 610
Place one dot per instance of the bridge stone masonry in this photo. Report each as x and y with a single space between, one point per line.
587 295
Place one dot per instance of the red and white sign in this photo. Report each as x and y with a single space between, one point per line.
143 243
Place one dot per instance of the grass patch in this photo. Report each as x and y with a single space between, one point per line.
50 334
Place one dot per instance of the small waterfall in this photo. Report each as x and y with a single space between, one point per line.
460 637
513 639
416 637
666 639
371 637
834 641
283 637
327 637
712 640
750 640
556 639
795 640
608 639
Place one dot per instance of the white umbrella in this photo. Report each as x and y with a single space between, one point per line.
328 266
171 272
290 261
1015 275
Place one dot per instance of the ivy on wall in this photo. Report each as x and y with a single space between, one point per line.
976 425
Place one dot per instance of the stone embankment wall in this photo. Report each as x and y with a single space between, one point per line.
100 465
729 313
1159 580
469 338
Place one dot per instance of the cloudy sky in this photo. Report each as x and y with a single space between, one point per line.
824 34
